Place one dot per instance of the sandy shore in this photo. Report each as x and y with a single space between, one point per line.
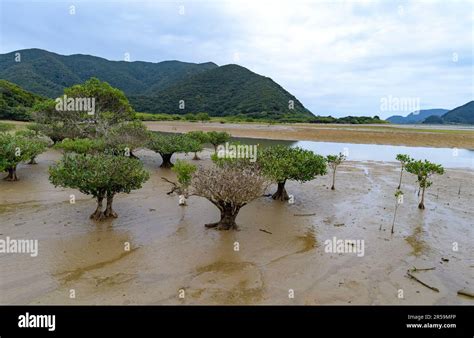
171 249
367 134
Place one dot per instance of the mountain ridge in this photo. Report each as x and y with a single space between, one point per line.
416 117
156 87
58 71
463 114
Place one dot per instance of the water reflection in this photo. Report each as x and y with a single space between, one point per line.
448 157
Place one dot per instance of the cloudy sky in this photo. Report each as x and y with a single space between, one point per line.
336 57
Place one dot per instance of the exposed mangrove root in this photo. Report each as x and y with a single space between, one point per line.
466 293
174 184
415 269
421 282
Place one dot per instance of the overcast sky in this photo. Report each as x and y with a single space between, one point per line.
336 57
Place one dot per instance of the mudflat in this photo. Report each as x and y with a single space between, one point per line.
157 251
443 136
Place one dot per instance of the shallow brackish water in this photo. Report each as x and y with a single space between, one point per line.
170 250
448 157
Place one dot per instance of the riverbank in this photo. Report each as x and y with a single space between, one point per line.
405 135
366 134
157 248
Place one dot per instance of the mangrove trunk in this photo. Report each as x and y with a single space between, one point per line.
228 216
333 180
166 161
422 202
281 193
98 214
109 212
11 174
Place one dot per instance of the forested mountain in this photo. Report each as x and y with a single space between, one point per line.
47 73
222 91
156 87
461 115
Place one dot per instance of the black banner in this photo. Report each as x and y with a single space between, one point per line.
350 321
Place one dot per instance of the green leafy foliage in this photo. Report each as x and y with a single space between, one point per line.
15 102
199 136
158 117
218 137
110 107
203 117
167 145
335 160
403 159
347 120
98 175
127 136
38 145
190 117
15 149
184 171
111 103
424 170
194 146
82 146
170 144
4 127
281 163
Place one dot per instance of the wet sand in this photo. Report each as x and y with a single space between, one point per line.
170 250
423 136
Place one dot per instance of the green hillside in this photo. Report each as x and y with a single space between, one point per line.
15 102
47 73
460 115
223 91
157 87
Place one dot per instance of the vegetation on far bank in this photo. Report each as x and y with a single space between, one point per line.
260 118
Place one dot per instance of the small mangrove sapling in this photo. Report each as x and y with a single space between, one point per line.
184 172
404 160
333 162
399 200
424 170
